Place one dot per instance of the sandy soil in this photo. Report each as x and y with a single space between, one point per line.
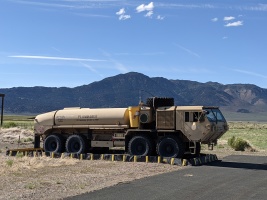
46 178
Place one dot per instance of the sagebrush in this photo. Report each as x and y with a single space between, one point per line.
238 144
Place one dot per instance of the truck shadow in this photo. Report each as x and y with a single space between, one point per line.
238 165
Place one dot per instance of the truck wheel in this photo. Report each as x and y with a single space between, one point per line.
170 147
140 145
53 143
75 144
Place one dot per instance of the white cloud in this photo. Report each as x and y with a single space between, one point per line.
149 14
121 12
159 17
233 24
225 37
143 7
55 58
228 18
214 19
122 15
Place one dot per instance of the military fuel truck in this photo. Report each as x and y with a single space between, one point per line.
156 127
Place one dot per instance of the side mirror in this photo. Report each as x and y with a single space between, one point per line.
205 112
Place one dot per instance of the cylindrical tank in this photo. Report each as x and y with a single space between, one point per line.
87 116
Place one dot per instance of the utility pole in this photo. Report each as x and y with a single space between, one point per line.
2 108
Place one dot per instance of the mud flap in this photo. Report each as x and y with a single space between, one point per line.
36 141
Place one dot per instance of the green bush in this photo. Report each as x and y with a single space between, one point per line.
9 163
27 139
19 155
231 141
10 125
238 144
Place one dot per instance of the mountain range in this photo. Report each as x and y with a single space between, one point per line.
128 89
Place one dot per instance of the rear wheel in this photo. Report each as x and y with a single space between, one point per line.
140 145
75 144
170 147
53 143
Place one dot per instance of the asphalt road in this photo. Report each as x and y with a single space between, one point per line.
235 177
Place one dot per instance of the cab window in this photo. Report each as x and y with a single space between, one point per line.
191 116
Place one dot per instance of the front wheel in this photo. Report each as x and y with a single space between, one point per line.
140 145
170 147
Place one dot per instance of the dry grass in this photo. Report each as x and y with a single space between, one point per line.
47 178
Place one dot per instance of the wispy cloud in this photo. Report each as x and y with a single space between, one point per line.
56 58
234 24
149 13
215 19
230 23
91 68
42 4
250 73
258 7
187 50
159 17
143 7
121 12
140 54
72 4
146 8
122 15
228 18
118 65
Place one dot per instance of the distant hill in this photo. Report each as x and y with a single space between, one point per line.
124 90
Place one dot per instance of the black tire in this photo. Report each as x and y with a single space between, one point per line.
170 147
159 102
53 143
140 145
75 144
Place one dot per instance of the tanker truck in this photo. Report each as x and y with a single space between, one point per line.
154 128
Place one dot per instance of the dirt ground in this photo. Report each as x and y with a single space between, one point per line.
47 178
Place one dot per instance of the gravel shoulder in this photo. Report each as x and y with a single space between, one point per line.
46 178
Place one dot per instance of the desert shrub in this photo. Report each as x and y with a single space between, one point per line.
9 125
9 163
19 155
231 141
27 139
238 144
30 186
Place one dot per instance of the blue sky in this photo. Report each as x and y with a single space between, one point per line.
75 42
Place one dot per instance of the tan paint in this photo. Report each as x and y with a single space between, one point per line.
87 116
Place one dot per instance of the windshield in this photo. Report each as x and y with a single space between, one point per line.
215 115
